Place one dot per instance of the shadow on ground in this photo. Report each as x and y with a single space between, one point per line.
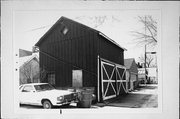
141 87
129 101
143 97
73 106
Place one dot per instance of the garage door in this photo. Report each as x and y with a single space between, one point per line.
122 83
113 79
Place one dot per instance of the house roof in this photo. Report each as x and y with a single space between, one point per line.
23 53
26 59
128 62
131 65
64 18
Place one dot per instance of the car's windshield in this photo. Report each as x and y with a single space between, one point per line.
43 87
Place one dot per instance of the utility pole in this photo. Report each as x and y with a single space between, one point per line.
145 64
145 53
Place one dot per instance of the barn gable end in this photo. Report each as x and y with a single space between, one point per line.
71 55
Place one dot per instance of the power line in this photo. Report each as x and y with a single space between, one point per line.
42 27
65 62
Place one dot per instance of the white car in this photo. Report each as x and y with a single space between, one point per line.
45 95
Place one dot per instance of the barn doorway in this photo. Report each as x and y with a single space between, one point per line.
77 76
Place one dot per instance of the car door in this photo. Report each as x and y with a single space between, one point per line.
27 94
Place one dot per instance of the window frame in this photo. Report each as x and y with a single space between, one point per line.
28 86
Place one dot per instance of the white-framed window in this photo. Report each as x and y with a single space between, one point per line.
27 88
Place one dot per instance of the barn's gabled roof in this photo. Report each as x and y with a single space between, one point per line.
64 18
100 33
41 39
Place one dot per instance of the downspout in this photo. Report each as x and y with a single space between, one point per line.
98 70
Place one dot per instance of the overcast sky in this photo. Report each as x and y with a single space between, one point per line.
29 26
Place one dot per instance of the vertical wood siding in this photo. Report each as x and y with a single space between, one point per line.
75 50
110 51
78 49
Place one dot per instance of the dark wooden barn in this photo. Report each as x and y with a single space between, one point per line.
75 55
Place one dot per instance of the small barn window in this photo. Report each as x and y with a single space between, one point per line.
51 78
65 30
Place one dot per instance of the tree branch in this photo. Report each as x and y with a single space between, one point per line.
149 37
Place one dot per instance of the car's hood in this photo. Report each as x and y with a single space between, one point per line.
56 92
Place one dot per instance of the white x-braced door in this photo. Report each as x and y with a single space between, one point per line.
122 85
108 76
113 79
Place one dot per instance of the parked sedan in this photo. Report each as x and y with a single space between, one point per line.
45 95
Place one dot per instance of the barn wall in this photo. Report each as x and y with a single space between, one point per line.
110 51
78 49
75 50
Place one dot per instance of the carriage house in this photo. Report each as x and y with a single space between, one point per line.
75 55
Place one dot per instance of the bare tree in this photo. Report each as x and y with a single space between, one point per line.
96 21
149 35
149 60
29 72
99 20
26 71
29 75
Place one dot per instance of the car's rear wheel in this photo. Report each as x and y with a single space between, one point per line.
47 104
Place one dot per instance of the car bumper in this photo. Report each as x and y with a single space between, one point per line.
68 99
66 102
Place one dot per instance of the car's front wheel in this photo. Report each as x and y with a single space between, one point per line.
47 104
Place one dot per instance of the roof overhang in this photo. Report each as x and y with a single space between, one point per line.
112 41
